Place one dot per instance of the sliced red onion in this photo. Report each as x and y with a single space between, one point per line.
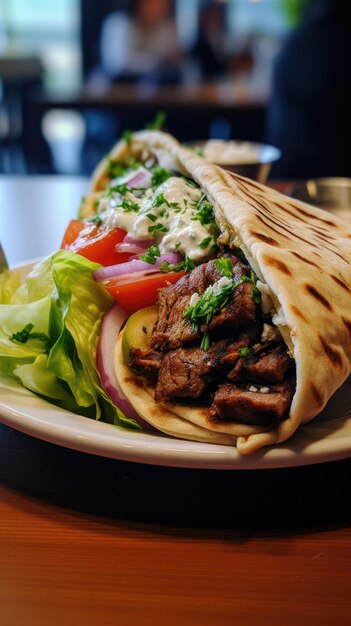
111 325
145 243
141 178
131 248
130 267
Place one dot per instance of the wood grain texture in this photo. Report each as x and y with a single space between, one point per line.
63 567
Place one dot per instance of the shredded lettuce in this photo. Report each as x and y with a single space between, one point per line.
9 283
59 299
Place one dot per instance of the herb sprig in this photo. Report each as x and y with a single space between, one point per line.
158 122
129 206
159 175
22 336
156 229
204 212
115 169
225 266
211 301
152 253
186 265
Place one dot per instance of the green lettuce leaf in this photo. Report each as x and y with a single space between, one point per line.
9 283
13 318
60 299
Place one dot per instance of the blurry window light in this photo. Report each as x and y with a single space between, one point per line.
256 16
186 15
62 15
48 30
64 131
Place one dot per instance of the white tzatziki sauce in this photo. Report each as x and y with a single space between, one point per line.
168 214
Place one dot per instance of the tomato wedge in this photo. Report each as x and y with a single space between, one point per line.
96 243
139 290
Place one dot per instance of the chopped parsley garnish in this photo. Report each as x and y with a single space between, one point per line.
183 266
151 255
121 189
159 175
205 242
244 352
114 169
225 266
157 228
158 122
129 206
95 219
160 200
204 212
210 302
22 336
151 217
206 342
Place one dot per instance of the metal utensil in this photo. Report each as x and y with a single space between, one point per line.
3 262
257 167
331 194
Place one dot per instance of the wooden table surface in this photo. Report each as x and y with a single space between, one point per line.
91 540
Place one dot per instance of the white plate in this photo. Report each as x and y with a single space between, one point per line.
326 438
321 440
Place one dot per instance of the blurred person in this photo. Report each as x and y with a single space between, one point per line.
308 115
209 50
143 46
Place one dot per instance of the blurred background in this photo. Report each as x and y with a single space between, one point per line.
74 74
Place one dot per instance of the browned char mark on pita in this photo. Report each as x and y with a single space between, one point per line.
309 216
298 312
318 296
268 240
347 324
340 282
322 243
332 354
327 222
273 223
277 264
323 238
304 259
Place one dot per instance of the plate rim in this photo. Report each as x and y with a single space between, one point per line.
43 420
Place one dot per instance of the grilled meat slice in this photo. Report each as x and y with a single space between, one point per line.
145 362
237 314
184 373
236 404
190 371
265 367
171 330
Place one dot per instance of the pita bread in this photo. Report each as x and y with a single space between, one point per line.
301 253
